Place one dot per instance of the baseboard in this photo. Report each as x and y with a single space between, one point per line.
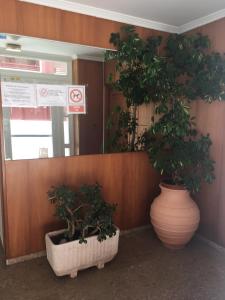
31 256
12 261
136 229
210 243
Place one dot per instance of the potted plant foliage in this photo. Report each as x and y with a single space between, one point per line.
185 71
135 59
176 149
90 239
182 157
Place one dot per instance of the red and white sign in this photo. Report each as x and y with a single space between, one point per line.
76 99
31 95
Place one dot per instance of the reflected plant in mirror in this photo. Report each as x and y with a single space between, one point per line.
136 63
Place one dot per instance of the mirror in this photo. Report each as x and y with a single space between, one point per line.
48 129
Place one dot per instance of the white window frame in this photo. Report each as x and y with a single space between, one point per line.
57 117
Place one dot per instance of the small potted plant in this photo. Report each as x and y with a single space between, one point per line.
90 239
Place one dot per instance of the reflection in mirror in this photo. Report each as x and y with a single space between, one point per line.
34 129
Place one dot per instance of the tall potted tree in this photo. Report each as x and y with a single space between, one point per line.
175 148
185 71
182 158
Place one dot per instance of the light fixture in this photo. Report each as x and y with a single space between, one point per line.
13 47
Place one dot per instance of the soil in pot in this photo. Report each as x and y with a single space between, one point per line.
62 238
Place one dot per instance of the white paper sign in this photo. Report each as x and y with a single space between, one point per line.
76 99
51 95
18 94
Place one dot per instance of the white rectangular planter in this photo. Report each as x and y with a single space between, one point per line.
69 258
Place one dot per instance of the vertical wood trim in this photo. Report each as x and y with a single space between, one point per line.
90 73
3 196
76 130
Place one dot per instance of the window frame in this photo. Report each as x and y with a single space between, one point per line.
41 78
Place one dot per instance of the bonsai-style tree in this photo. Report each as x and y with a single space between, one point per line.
184 72
85 212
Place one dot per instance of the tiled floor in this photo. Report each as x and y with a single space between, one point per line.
143 269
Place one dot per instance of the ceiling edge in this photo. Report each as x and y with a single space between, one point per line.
119 17
105 14
202 21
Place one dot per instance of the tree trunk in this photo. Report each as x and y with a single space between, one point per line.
133 134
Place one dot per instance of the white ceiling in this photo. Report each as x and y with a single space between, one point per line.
168 15
49 48
173 12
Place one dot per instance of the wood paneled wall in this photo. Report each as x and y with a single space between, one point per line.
210 119
50 23
89 133
127 180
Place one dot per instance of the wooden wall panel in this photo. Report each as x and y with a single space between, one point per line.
9 16
210 119
50 23
28 213
90 128
87 30
39 21
215 32
127 180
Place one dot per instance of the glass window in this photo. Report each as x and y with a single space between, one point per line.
67 152
18 63
31 133
31 147
41 66
28 127
66 131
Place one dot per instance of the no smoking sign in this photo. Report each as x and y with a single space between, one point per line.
44 92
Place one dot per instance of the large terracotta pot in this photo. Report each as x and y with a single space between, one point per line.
174 216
